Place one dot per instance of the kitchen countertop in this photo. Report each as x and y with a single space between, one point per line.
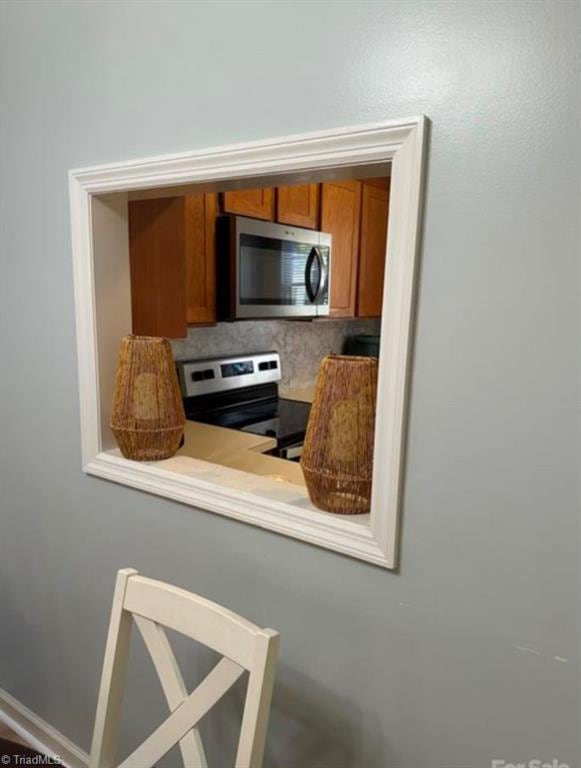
211 443
238 450
243 450
304 394
235 459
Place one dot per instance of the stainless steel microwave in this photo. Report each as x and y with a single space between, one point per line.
271 270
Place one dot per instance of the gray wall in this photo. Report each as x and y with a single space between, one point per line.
460 658
301 345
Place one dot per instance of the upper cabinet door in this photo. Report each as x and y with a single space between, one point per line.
172 247
340 214
298 205
200 213
372 253
256 203
157 264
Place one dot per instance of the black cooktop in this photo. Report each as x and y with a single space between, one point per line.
256 411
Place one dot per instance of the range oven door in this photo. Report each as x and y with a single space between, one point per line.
289 452
278 270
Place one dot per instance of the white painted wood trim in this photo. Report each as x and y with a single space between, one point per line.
403 143
403 239
39 734
332 532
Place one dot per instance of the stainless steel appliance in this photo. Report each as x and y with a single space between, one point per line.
241 392
271 270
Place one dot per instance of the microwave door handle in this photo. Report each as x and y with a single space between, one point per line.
314 254
322 273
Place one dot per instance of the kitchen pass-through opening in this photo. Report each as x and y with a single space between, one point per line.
255 278
255 283
254 286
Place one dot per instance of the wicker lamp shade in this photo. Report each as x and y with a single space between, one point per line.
148 417
337 459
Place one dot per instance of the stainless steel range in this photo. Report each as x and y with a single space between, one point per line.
242 393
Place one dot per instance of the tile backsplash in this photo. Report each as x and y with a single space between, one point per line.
301 345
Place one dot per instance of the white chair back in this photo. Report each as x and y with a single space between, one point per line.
153 605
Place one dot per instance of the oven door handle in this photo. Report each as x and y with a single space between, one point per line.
314 254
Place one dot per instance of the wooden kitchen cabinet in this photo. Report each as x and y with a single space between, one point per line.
256 203
158 267
172 263
200 241
340 216
298 205
372 256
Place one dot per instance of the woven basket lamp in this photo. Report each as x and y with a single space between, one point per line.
148 412
337 459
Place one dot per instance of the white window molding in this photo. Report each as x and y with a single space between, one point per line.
102 301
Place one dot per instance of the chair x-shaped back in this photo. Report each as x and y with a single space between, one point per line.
153 605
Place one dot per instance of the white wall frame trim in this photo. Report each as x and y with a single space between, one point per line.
102 301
